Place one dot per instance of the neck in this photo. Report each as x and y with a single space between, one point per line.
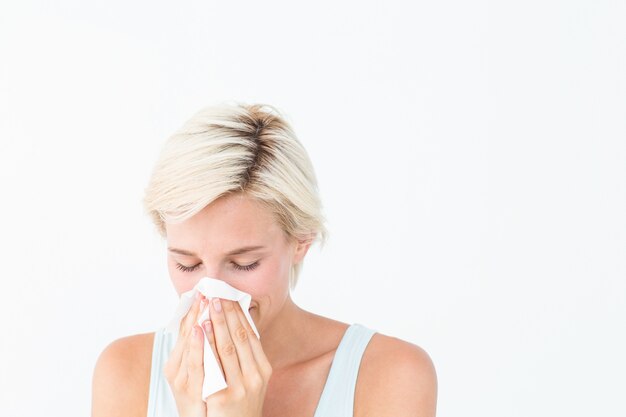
286 338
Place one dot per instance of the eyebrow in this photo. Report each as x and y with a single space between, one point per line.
238 251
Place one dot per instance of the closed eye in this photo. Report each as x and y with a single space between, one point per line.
187 268
238 267
246 267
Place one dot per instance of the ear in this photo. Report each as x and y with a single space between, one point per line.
302 247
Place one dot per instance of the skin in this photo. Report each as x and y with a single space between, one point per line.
283 373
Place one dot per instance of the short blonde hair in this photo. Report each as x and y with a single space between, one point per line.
231 148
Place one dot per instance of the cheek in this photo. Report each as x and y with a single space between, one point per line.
258 283
269 281
179 285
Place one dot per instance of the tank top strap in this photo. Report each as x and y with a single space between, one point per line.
161 400
337 399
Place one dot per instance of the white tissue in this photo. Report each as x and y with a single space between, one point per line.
210 288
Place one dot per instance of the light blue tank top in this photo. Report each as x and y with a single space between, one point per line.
337 398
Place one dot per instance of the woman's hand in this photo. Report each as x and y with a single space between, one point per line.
184 368
240 355
246 368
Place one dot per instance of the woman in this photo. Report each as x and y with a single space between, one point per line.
235 196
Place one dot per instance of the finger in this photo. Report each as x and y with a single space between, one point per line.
187 322
201 308
195 368
210 339
225 346
240 336
182 342
244 321
182 375
175 358
187 337
186 342
255 343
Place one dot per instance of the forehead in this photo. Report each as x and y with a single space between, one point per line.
231 220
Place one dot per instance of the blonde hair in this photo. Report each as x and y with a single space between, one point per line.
231 148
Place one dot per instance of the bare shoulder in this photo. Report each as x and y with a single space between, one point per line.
121 377
396 378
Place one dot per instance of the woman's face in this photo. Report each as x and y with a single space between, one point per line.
237 240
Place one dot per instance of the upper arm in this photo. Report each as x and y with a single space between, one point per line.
398 380
121 379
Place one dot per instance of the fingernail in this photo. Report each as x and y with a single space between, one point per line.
194 332
207 326
217 304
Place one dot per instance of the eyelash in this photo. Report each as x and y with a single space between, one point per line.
236 266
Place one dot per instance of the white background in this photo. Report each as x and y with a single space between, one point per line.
471 159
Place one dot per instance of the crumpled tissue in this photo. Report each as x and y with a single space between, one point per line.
210 288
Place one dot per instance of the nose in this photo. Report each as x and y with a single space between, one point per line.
211 271
216 273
